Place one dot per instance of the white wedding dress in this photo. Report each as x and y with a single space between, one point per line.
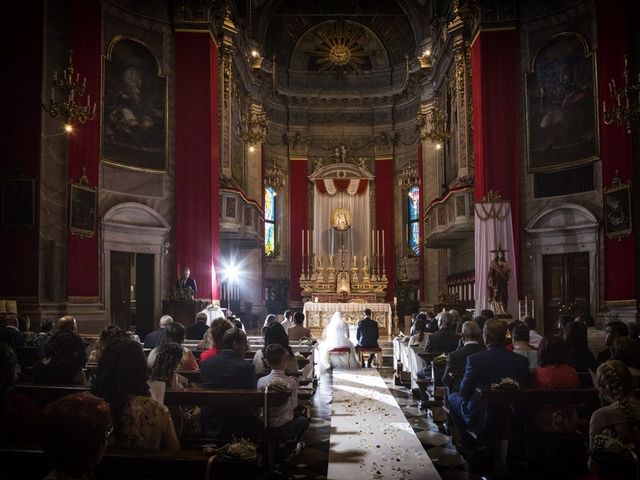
336 335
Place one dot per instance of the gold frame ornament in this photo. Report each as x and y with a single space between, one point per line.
341 219
617 208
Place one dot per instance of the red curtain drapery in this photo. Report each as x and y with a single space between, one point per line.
21 120
496 120
197 230
620 274
84 142
385 218
299 211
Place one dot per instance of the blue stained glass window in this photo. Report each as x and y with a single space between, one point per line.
413 219
269 221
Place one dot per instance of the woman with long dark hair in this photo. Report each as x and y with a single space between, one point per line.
274 333
121 379
175 332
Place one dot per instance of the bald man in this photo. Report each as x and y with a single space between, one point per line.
457 360
66 323
467 407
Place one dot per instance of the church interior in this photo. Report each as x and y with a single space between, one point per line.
414 158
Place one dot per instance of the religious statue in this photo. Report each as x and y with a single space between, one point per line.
498 283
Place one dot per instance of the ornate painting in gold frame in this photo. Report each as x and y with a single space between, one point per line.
561 107
617 209
134 108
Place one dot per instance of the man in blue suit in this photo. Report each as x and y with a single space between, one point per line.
468 408
187 281
367 334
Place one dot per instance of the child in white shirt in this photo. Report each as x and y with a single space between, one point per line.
286 427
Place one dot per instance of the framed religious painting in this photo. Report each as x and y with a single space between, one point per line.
134 113
18 202
561 107
83 203
617 209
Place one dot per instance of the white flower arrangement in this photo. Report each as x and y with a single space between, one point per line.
506 383
607 442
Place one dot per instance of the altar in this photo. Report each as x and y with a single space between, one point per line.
317 315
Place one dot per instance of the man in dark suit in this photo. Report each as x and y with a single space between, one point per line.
152 338
186 281
445 340
229 369
457 360
198 329
367 334
467 408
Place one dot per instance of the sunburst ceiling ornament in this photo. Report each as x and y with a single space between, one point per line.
339 49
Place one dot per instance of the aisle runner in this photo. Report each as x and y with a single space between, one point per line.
370 436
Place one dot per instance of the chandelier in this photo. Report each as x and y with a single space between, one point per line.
432 125
627 102
408 176
253 125
275 176
70 87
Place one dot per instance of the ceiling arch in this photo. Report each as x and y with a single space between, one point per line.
283 23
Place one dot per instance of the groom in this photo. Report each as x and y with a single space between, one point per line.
367 334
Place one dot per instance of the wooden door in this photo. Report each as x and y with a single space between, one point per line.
121 289
566 287
144 294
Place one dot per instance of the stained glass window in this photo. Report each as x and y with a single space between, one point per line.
269 221
413 220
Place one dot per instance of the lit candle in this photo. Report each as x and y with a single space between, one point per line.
395 300
378 242
316 300
383 243
308 249
533 310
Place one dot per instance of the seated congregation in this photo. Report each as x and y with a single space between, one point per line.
512 399
175 402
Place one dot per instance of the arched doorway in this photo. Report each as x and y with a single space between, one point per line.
133 256
565 255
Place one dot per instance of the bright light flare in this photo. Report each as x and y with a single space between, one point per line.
232 271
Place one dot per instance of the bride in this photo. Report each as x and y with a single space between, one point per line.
336 335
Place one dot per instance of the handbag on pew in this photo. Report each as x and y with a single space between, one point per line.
191 422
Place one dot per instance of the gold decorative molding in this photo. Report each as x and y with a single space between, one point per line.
620 303
82 299
492 197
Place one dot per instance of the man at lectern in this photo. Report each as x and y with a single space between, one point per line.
186 281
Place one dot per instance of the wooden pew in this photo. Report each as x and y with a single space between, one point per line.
43 394
139 464
501 405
